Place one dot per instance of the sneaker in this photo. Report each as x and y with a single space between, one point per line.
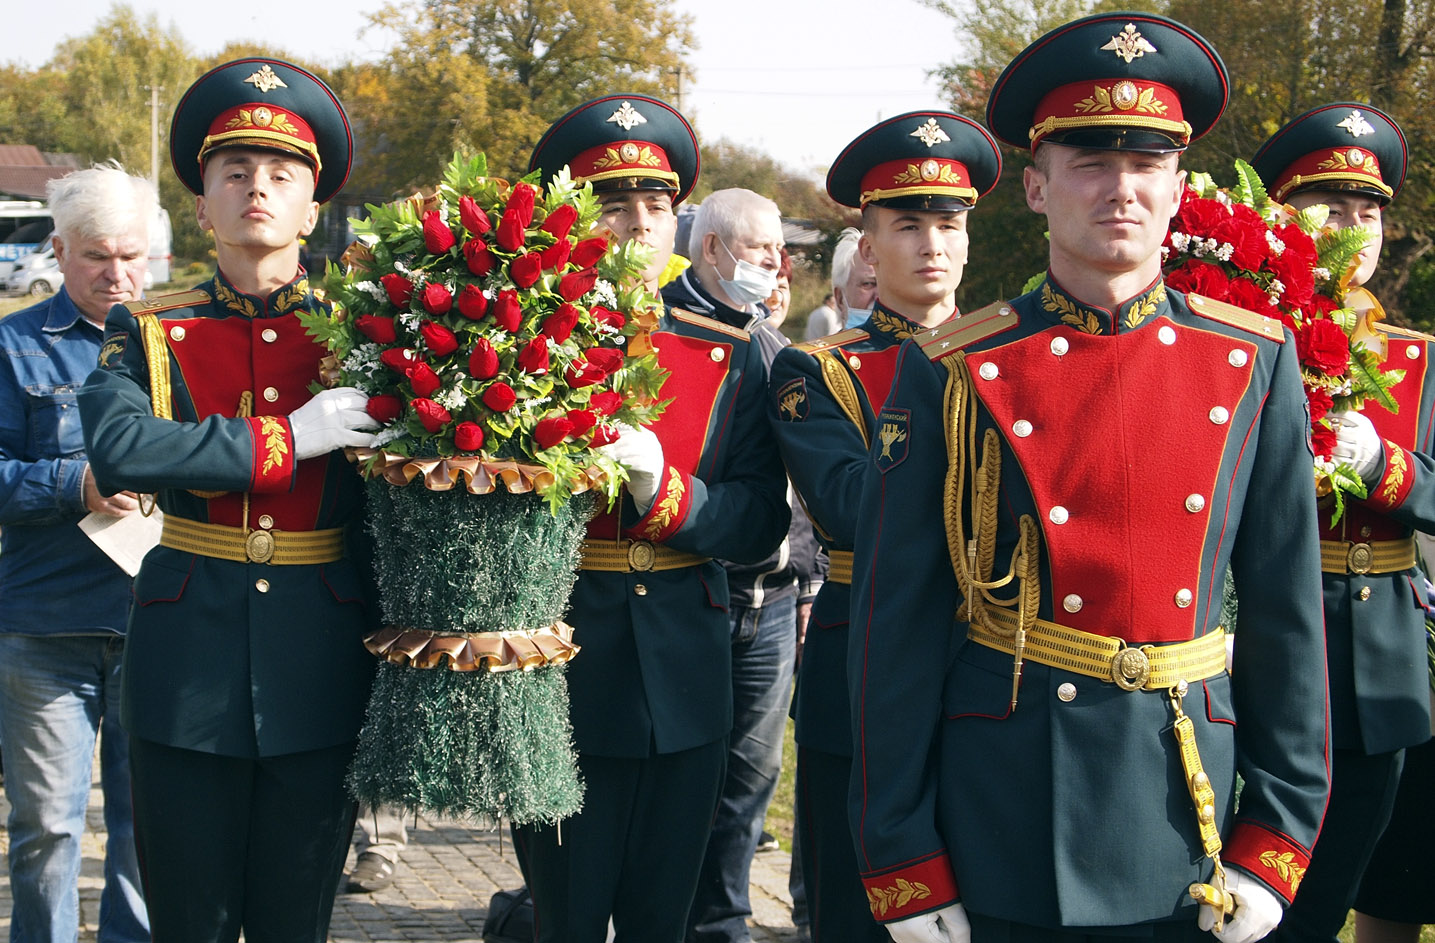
371 873
767 842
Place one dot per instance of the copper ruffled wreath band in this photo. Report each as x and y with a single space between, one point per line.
480 651
469 471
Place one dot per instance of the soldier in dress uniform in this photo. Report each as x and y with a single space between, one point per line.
1045 734
245 678
1352 158
651 693
914 177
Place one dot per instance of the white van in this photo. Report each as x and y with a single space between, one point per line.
25 227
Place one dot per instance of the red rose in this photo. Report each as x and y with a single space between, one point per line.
472 302
613 319
499 397
560 323
549 432
1244 293
433 416
384 408
589 251
605 402
556 256
423 380
1322 441
607 359
438 238
400 290
1323 347
507 312
560 221
516 216
1201 278
582 420
474 219
534 357
468 437
525 269
436 299
478 257
1320 402
399 359
483 362
575 285
603 435
377 329
440 340
581 373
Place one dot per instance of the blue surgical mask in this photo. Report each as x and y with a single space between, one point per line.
750 284
856 317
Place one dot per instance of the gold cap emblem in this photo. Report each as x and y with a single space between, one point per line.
263 116
1129 44
1356 124
931 133
266 80
1356 156
626 117
629 152
930 169
1124 95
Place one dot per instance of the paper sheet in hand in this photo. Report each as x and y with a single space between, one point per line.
124 539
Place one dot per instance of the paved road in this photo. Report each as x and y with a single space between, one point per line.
440 892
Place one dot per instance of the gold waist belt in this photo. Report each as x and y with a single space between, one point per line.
839 566
1133 668
277 547
634 556
1377 556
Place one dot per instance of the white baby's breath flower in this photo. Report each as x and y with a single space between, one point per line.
1275 243
409 321
1225 252
604 293
1180 241
1321 274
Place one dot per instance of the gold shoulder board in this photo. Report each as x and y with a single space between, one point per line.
179 299
709 323
832 340
1269 328
952 336
1405 332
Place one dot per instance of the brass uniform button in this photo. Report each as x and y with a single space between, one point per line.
640 590
265 521
262 585
1364 593
717 355
270 394
1066 691
269 334
176 333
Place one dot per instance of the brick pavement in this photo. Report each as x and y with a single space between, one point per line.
440 891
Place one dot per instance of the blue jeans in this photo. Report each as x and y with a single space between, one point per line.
56 693
764 644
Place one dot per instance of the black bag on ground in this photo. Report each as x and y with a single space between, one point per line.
510 917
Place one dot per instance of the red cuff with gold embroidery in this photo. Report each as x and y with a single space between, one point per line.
911 889
274 464
1395 484
1273 858
670 507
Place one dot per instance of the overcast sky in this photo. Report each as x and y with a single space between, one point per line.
795 78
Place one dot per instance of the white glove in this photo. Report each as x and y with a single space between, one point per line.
330 421
639 451
1258 910
1357 444
948 925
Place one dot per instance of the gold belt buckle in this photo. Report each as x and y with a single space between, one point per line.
1130 669
641 556
259 546
1359 558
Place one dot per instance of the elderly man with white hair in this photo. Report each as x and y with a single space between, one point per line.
65 602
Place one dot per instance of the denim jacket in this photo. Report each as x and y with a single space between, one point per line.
53 580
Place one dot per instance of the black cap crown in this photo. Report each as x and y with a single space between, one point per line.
1341 146
932 160
622 142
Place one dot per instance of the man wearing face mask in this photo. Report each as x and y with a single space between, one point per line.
736 247
854 282
1351 158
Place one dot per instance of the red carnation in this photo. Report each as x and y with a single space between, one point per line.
499 397
560 221
605 402
1200 217
1245 293
1246 232
575 285
472 302
1201 278
525 269
1320 402
549 432
400 290
589 251
438 238
423 380
468 437
483 362
1323 347
560 323
582 420
507 312
433 416
556 256
603 435
377 329
436 299
384 408
440 340
1322 441
516 216
478 257
399 359
607 359
613 319
474 219
534 357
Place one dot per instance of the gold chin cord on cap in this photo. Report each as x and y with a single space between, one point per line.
973 557
1204 798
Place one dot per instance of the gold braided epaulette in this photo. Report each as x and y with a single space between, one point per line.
833 340
179 299
709 323
954 335
1405 332
1269 328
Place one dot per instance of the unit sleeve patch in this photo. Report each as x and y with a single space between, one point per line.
792 402
892 438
